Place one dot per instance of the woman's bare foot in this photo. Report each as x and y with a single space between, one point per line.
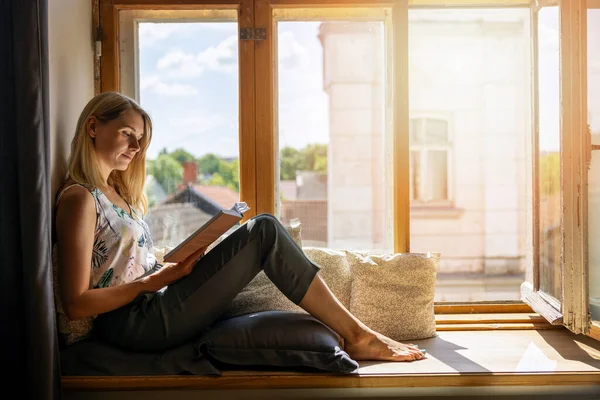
375 346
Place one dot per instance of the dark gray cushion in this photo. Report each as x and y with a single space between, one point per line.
276 339
270 339
93 358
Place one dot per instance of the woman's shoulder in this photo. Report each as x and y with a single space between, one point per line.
74 193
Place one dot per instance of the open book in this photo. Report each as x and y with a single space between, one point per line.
208 233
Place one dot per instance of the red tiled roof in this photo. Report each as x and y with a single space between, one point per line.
223 196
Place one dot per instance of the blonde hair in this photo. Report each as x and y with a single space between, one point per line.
83 166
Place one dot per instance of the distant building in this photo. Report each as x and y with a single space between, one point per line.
185 210
469 96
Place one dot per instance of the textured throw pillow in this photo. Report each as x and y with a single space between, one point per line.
394 293
276 339
262 295
335 270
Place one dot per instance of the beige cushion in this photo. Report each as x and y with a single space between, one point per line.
394 293
335 270
391 293
262 295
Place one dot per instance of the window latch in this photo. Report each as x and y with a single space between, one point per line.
98 42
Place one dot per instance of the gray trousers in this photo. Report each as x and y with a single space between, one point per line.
181 311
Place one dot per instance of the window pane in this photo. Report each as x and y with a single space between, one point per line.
472 67
331 133
437 175
436 131
415 132
188 74
550 235
593 38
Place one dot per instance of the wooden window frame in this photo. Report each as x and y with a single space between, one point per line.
595 324
107 60
572 309
257 125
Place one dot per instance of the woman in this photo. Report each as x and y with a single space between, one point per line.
106 269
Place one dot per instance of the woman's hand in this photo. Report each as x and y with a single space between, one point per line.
172 272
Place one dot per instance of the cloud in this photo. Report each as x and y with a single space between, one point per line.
199 134
199 127
222 57
208 133
303 105
157 85
183 65
291 53
151 33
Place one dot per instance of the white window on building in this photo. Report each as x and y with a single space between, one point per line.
430 157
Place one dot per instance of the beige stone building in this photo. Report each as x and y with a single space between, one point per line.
469 126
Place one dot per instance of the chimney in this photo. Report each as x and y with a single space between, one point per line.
189 172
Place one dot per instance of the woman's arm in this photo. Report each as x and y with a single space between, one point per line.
75 226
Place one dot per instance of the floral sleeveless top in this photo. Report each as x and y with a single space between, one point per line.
123 252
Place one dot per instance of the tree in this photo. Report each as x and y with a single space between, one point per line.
217 180
182 156
235 175
549 174
311 158
208 164
315 157
167 172
289 163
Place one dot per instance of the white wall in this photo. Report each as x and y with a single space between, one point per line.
71 75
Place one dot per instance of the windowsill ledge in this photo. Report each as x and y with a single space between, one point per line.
430 212
532 357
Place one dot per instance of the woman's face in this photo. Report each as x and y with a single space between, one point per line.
117 142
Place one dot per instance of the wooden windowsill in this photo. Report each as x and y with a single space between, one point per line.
487 322
535 357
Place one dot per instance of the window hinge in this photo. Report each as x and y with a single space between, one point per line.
98 42
253 33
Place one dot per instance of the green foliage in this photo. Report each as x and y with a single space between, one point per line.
290 162
182 156
227 175
208 164
311 158
167 172
549 174
151 200
315 157
217 180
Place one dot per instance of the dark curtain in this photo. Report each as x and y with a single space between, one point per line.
27 320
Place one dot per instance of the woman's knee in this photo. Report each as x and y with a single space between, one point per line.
269 221
266 217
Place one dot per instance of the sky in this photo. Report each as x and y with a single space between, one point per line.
189 85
